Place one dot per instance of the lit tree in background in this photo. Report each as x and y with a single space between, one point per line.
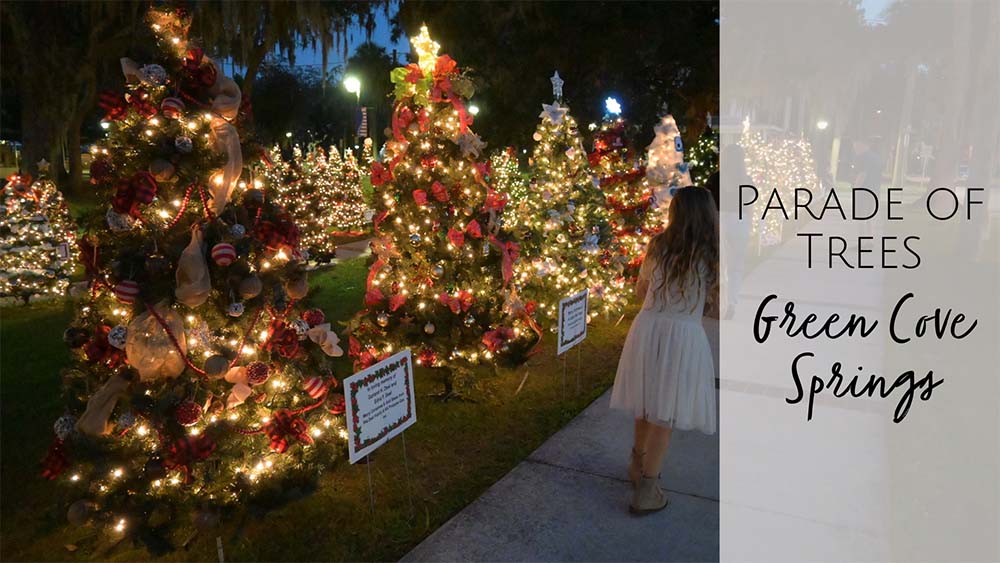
350 210
505 174
782 164
300 187
703 157
35 236
367 155
619 173
197 379
562 223
441 280
666 170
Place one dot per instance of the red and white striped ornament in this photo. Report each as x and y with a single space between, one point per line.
315 387
127 291
223 253
172 108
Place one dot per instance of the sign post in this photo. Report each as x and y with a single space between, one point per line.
572 328
381 404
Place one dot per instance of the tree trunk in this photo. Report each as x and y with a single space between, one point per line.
254 61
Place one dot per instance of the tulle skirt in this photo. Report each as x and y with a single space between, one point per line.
666 373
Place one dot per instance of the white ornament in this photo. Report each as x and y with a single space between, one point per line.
238 230
301 328
153 74
118 222
470 144
118 336
235 309
184 144
64 426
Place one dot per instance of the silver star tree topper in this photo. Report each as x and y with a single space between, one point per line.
557 84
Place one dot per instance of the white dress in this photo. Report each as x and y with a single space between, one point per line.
666 373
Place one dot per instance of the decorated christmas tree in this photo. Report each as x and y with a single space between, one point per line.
505 174
666 171
562 223
35 237
441 280
299 186
703 157
349 210
198 379
367 155
620 174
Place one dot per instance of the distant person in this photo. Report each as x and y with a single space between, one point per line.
666 375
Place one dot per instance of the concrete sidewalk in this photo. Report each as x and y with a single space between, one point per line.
569 501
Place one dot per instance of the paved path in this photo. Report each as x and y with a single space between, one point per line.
354 249
568 502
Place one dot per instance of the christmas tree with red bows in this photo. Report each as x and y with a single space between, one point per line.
562 223
441 280
198 379
36 233
620 174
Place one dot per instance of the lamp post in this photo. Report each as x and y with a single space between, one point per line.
353 85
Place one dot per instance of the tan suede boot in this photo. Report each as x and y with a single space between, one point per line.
648 497
635 467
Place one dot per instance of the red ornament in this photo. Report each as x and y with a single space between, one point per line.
313 317
223 253
56 460
336 403
126 292
420 196
439 192
285 426
257 373
315 387
172 107
456 237
427 357
188 413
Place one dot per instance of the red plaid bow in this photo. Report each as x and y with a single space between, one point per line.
138 190
56 460
114 105
285 426
183 452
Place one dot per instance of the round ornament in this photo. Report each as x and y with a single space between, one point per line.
298 287
75 337
117 222
81 512
172 108
313 317
537 136
153 74
223 253
251 287
429 328
235 309
183 144
382 319
315 387
126 420
188 413
118 336
126 292
162 170
415 239
216 366
469 320
238 231
301 327
437 270
257 373
64 426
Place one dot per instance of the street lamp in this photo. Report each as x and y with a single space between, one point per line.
613 107
353 85
822 124
474 109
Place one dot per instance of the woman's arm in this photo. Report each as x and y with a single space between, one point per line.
641 287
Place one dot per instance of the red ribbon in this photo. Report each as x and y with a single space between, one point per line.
114 105
439 192
456 237
285 426
509 252
185 451
138 190
460 302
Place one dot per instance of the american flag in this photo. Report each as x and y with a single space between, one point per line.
363 122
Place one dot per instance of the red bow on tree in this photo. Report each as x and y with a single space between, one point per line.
100 170
139 99
99 350
380 174
183 452
474 229
495 339
461 301
114 105
396 301
401 119
415 73
420 197
282 339
374 296
138 190
439 192
282 233
509 252
56 460
495 201
198 77
285 426
456 237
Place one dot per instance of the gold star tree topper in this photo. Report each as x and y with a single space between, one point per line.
427 50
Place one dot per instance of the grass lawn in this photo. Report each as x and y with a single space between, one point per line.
455 451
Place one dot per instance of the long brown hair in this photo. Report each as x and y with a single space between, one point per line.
690 240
